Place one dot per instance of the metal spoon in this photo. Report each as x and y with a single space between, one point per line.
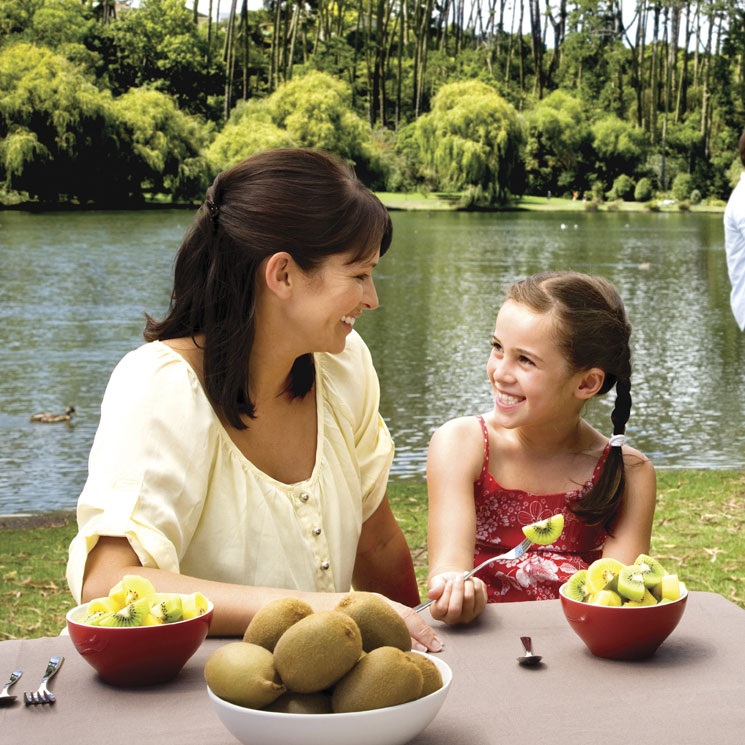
5 697
529 659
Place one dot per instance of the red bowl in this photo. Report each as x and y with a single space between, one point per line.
138 655
622 633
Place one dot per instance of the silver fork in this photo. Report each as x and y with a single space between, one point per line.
5 696
513 553
43 695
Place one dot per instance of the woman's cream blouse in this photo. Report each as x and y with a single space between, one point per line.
164 473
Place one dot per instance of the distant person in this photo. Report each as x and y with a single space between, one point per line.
240 452
560 339
734 242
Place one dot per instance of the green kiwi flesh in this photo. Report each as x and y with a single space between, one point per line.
651 569
130 615
545 531
577 587
630 583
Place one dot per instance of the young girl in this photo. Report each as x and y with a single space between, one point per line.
560 339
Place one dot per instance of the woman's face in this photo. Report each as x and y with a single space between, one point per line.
333 298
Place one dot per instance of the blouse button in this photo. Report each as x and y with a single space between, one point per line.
325 565
316 531
305 496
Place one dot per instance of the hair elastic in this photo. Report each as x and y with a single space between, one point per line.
213 209
616 440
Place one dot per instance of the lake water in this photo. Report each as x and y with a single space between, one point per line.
74 288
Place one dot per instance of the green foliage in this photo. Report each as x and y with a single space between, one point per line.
682 185
623 188
310 111
470 139
619 148
695 197
643 191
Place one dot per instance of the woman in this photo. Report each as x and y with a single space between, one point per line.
240 452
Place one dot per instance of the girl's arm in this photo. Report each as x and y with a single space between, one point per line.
454 462
632 530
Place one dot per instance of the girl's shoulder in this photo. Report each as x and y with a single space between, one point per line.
458 444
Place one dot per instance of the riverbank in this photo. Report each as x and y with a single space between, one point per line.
699 518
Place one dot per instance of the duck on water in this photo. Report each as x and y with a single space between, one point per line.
49 418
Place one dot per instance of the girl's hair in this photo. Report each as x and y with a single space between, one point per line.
592 331
302 201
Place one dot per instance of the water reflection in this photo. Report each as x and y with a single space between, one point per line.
75 287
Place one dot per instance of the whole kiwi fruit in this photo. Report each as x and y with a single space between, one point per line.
378 622
243 674
302 703
317 650
383 677
432 679
273 619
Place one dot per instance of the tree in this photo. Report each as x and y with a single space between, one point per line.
619 148
471 140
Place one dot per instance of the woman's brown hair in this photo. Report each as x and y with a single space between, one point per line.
592 331
302 201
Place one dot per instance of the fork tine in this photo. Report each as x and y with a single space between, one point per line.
27 700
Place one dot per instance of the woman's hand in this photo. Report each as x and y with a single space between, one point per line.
423 636
456 600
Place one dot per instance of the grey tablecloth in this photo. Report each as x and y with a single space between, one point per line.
691 692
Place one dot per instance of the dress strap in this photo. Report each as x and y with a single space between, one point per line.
485 467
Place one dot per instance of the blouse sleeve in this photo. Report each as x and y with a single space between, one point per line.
149 464
355 382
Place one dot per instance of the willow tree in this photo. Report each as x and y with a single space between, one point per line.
470 142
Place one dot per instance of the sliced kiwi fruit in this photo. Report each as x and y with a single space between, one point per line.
577 587
383 677
243 674
194 605
648 599
379 624
317 651
631 583
606 597
652 570
132 614
106 604
671 589
168 610
273 619
545 531
431 677
603 573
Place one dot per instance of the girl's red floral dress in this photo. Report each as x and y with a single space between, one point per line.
500 515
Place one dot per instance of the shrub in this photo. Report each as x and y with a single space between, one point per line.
643 190
682 186
613 206
695 197
653 206
623 188
591 206
684 206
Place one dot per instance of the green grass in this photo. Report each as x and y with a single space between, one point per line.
699 519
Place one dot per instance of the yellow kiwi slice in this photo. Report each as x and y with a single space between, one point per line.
602 574
631 583
193 605
606 597
670 587
273 619
132 614
107 605
383 677
379 624
168 610
317 650
545 531
243 674
647 599
577 587
652 570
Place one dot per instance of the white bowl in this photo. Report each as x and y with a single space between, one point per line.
392 725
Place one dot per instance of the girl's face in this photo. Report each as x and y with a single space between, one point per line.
333 298
531 379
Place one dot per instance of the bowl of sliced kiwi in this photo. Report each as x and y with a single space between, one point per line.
136 636
623 612
334 677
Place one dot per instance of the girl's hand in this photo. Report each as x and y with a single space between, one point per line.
456 600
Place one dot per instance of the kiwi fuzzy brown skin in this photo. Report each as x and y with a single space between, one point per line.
273 619
431 677
383 677
243 674
301 703
317 651
378 622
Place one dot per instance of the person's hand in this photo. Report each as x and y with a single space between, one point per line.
456 600
423 636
